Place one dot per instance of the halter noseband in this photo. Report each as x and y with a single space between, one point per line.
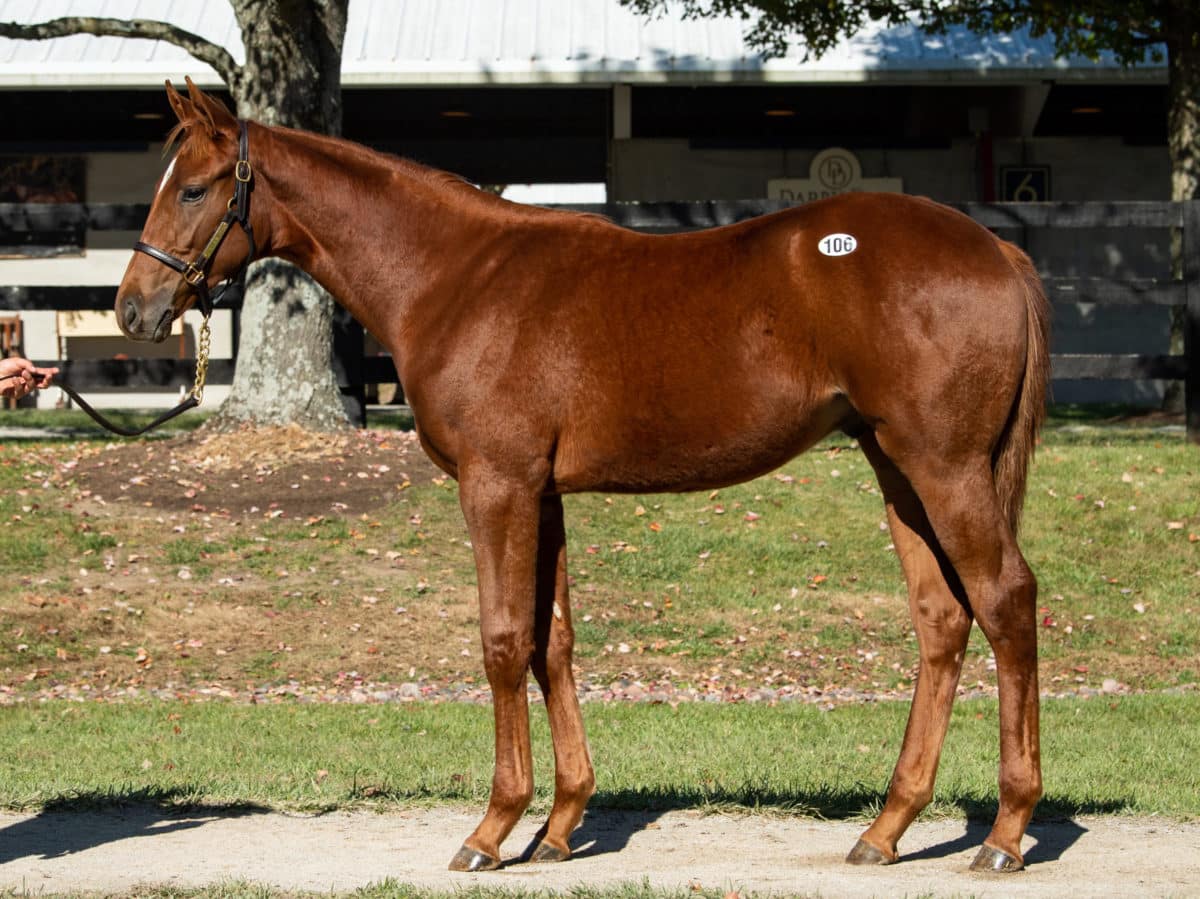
195 273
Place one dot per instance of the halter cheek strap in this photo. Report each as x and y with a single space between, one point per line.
195 273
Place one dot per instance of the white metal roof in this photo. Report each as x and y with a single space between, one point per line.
411 42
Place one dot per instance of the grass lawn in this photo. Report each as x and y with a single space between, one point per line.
1133 754
789 580
785 582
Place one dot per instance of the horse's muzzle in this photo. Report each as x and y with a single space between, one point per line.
146 320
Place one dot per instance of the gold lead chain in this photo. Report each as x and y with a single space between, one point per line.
202 360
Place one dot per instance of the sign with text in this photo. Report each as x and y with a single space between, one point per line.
1025 183
833 171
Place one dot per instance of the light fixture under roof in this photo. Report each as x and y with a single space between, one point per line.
148 116
779 112
454 114
1086 110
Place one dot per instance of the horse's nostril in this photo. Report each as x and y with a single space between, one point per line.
131 316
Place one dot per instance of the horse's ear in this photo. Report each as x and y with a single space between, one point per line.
210 110
184 110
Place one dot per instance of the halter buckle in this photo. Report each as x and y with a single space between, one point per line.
242 171
193 275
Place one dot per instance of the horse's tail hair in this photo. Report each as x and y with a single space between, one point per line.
1010 463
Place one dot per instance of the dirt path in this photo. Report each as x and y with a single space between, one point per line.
117 850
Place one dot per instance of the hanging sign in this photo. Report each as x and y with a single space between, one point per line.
833 171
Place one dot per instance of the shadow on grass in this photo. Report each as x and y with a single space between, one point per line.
1053 828
82 821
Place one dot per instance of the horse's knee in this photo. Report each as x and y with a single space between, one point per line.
507 654
554 654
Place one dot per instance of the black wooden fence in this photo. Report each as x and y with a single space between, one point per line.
35 228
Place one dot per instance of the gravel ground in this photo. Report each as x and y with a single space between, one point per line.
122 849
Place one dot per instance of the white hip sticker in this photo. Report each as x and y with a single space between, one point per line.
838 244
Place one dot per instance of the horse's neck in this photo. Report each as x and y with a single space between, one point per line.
368 227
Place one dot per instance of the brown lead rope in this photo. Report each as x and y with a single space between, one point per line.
193 399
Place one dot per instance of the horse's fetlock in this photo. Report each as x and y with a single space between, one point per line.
910 798
580 787
511 797
1021 791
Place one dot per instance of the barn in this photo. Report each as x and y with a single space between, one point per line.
582 101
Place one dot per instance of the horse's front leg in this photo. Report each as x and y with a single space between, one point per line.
574 779
502 517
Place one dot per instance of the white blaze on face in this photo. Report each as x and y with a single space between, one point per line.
166 176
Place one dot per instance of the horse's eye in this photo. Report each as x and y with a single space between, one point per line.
192 194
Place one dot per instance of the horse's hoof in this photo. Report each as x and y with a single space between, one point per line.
994 861
864 853
547 853
468 859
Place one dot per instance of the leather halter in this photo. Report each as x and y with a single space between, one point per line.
195 273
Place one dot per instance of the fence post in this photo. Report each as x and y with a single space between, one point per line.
1191 316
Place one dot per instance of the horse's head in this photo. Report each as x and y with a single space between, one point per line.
183 251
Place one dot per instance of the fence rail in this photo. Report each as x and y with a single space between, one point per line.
29 227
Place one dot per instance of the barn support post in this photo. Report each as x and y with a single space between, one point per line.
1191 317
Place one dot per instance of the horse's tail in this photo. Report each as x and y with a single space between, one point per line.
1010 463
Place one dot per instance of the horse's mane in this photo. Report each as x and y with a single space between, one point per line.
438 178
457 183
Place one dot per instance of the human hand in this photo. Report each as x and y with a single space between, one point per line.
18 376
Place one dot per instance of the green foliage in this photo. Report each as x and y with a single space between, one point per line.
1129 30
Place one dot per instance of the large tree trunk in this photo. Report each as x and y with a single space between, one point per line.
1183 100
1183 144
291 77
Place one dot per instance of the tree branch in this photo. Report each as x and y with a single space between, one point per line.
201 48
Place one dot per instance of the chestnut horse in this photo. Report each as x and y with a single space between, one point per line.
547 352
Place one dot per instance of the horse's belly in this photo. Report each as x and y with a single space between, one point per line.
648 457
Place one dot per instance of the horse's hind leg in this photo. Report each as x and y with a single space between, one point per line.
961 502
502 517
1003 593
574 780
942 623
